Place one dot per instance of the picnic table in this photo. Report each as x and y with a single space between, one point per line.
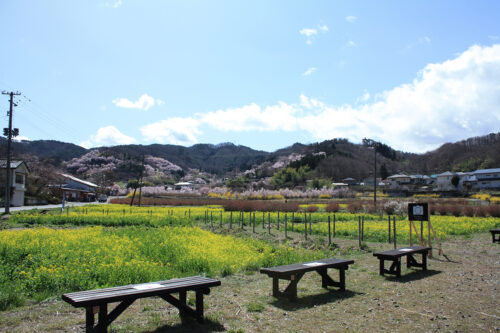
97 300
495 232
396 255
294 273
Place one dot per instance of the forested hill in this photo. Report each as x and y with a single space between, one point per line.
336 159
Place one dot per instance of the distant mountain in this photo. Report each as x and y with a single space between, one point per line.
336 159
44 149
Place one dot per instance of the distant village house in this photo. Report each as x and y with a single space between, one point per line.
18 172
75 189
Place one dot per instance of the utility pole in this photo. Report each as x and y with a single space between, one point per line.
9 133
375 176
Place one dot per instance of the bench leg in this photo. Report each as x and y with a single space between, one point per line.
412 262
102 324
184 308
182 299
199 306
326 280
89 319
381 267
291 290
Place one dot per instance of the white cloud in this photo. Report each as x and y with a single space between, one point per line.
108 136
446 102
493 38
323 28
309 71
351 19
351 43
179 131
145 102
310 33
420 41
20 138
115 4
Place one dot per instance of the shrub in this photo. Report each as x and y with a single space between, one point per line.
469 211
455 210
332 207
493 210
480 211
354 207
312 208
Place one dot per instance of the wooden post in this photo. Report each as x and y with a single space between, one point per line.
394 229
293 220
411 238
263 220
429 236
305 224
310 227
211 220
363 228
231 220
189 211
253 222
329 233
422 231
389 228
269 222
286 220
221 218
334 232
359 231
278 224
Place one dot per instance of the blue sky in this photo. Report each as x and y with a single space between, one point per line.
263 74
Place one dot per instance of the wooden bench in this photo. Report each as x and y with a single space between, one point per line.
96 301
395 257
294 273
495 232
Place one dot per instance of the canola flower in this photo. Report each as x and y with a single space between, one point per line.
45 260
347 223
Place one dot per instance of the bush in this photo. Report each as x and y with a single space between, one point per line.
455 210
312 208
469 211
332 207
354 207
493 210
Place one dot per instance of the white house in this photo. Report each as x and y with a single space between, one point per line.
183 185
487 178
18 172
399 182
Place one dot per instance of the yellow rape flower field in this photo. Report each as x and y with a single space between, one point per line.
51 261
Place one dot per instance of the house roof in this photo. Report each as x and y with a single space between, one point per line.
447 173
13 164
78 180
183 184
398 176
480 171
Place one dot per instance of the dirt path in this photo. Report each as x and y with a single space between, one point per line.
457 295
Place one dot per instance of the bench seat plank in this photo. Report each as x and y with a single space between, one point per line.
294 273
286 270
115 294
98 299
396 255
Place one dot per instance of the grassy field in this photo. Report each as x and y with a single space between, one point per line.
45 254
459 292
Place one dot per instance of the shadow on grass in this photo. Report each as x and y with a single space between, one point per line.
309 301
189 324
413 276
